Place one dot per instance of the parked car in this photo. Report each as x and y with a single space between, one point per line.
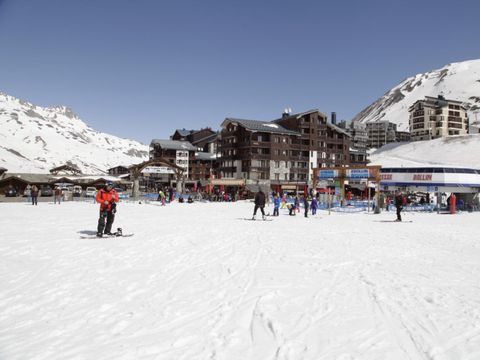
11 192
90 191
46 190
77 191
122 194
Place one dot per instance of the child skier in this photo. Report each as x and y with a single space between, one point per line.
276 205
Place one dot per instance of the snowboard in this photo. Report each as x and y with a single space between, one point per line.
114 235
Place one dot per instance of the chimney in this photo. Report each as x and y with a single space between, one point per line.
286 113
334 118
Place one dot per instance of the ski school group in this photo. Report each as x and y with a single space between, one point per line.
312 204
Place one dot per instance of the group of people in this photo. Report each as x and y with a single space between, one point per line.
308 204
281 202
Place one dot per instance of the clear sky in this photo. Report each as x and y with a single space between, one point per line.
141 68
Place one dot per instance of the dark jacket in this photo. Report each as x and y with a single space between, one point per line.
399 200
260 198
306 203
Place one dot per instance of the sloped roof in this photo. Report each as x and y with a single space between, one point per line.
28 178
183 132
174 144
261 126
208 138
205 156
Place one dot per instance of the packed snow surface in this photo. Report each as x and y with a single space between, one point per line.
196 281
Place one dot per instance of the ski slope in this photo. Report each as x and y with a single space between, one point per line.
198 282
456 151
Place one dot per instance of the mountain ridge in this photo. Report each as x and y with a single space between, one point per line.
455 81
36 139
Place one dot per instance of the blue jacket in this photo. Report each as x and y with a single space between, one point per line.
276 202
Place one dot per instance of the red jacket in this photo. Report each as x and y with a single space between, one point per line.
109 196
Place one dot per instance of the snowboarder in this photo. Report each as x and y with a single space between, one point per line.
107 198
399 205
259 203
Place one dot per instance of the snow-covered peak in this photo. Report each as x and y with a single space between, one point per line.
36 139
456 81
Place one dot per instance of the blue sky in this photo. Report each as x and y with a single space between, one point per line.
139 69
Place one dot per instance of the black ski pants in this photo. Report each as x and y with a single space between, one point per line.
399 210
107 216
259 207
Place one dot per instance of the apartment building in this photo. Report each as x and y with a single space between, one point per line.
435 117
283 151
359 140
380 133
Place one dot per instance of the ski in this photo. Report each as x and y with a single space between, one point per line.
250 219
395 221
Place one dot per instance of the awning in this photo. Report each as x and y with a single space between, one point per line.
228 182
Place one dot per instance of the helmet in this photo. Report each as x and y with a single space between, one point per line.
109 184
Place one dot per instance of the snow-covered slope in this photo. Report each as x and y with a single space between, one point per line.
453 151
36 139
327 287
456 81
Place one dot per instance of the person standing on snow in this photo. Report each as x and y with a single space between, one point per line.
107 198
57 195
399 205
259 203
296 203
34 193
276 205
314 206
306 205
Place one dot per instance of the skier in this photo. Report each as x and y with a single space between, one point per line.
296 203
399 205
306 205
276 205
259 203
314 206
161 197
107 198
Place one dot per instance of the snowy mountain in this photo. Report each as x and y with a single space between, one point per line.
36 139
457 81
460 151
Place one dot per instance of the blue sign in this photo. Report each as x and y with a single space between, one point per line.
327 174
358 174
